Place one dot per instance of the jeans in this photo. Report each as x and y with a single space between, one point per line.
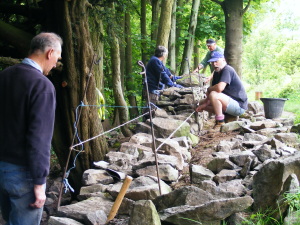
16 193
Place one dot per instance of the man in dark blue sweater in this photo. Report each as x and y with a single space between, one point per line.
158 74
27 121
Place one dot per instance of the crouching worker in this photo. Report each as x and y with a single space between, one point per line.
158 75
227 94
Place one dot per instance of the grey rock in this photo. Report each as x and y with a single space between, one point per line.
290 139
199 173
234 186
144 212
94 190
210 187
254 137
166 172
269 180
142 188
265 152
94 176
142 127
225 175
241 158
210 213
232 126
142 139
53 220
91 211
187 195
218 164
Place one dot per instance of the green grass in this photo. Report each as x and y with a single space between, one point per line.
285 87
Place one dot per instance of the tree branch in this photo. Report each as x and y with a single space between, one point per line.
247 7
15 37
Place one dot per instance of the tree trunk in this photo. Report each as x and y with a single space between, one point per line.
69 22
164 23
130 88
197 53
143 30
154 21
117 86
178 30
189 43
233 11
172 40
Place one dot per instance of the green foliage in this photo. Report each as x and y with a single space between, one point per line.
261 218
288 59
293 200
211 21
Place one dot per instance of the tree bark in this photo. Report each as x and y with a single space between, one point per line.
117 86
189 43
233 11
154 21
197 53
164 23
128 69
143 30
172 40
75 86
178 29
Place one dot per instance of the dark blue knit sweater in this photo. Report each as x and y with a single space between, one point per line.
156 73
27 112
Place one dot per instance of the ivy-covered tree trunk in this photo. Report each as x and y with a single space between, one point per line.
129 80
116 75
143 30
76 86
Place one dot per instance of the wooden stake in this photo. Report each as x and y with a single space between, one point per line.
119 199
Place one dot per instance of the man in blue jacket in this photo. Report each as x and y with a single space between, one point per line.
158 74
27 121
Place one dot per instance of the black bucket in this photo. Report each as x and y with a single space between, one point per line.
273 107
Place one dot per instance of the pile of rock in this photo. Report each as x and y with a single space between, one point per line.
255 168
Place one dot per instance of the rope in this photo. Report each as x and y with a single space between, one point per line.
92 138
173 132
65 179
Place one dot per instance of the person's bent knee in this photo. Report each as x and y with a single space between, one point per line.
213 95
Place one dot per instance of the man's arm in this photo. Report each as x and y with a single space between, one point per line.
219 87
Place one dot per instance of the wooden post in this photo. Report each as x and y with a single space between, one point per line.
258 95
119 199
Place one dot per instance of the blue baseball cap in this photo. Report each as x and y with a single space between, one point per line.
210 41
215 56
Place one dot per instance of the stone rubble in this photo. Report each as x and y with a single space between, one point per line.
254 169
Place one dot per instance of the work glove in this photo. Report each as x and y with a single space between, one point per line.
178 85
